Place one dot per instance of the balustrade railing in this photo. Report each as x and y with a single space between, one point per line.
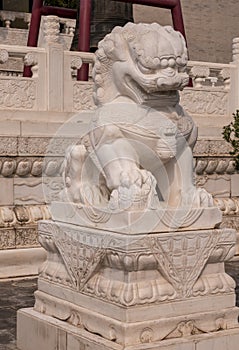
12 34
10 16
212 91
205 74
53 85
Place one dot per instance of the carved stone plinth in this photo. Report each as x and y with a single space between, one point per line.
135 222
136 289
56 334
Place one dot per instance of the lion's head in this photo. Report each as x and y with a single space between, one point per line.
140 62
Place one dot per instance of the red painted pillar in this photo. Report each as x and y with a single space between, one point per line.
177 17
35 23
84 36
34 30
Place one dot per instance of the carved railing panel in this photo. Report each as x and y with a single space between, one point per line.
214 90
211 90
18 92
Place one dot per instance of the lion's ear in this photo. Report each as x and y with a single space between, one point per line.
115 47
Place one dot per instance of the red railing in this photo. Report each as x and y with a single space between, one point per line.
84 23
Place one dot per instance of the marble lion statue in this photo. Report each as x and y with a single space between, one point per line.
140 141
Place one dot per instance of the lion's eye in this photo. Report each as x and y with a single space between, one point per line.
144 69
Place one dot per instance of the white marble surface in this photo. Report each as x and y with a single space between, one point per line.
48 333
134 167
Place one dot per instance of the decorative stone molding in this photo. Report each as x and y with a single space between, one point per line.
225 74
40 146
27 237
13 67
8 145
211 148
11 217
199 73
76 63
235 49
36 166
4 56
21 166
18 225
214 165
10 16
209 76
34 146
17 94
101 252
51 29
228 206
134 255
24 236
205 102
7 238
31 60
20 262
231 222
82 96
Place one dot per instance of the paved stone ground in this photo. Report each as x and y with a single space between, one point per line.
14 295
18 294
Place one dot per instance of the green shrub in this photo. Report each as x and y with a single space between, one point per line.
231 134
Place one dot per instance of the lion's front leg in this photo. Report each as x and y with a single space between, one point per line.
189 194
131 187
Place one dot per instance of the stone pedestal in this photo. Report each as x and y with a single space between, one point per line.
54 334
125 291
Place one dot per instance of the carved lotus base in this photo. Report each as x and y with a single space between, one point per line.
135 222
133 289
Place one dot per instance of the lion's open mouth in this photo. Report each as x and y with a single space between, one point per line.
144 93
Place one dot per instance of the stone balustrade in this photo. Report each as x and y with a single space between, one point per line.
211 93
213 75
10 16
53 85
14 34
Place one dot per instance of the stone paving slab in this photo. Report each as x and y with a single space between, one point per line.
17 294
14 295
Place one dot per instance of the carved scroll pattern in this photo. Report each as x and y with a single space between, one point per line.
82 96
205 102
19 94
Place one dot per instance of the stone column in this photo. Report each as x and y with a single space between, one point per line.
234 90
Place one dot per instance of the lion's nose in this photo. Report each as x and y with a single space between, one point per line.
169 72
